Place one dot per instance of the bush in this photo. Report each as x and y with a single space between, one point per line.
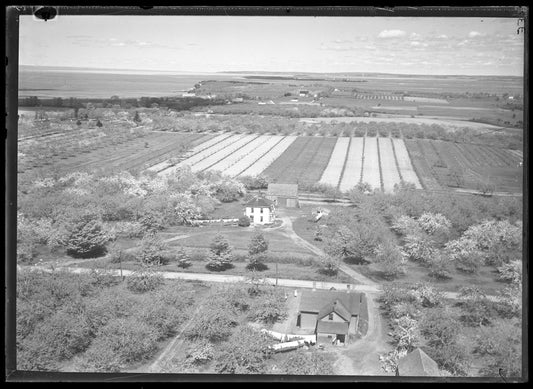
152 250
144 281
183 258
328 266
304 363
244 221
200 353
87 239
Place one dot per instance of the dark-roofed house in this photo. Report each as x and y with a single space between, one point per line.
260 210
283 195
418 364
333 316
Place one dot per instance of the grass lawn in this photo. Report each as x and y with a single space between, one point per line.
238 237
285 270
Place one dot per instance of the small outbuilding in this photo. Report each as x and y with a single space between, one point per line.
283 195
418 364
260 211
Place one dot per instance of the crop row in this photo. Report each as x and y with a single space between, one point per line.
371 165
333 171
205 152
354 164
214 158
264 162
251 158
244 151
406 169
389 168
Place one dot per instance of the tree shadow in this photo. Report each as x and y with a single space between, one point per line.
355 261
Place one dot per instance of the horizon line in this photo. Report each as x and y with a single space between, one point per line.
261 71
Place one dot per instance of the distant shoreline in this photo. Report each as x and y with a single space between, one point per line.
34 68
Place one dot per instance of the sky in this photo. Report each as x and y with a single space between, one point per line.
400 45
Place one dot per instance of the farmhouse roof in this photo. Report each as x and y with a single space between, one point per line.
285 190
417 363
318 301
259 202
332 327
334 306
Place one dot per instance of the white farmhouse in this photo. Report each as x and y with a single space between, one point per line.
260 211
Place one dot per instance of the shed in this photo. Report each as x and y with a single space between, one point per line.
418 364
283 195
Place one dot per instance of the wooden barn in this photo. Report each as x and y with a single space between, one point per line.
333 316
283 195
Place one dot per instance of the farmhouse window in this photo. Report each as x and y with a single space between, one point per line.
330 316
252 210
261 218
261 210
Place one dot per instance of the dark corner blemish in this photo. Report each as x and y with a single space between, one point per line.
45 13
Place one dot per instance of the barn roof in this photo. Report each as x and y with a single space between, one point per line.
337 307
259 202
417 363
332 327
319 300
286 190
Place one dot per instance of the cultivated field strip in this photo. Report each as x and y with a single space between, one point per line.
333 171
389 169
278 167
212 159
297 171
232 159
518 153
247 161
354 164
404 163
205 145
201 140
314 169
205 152
371 173
261 164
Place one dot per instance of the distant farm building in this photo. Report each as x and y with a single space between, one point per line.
303 93
333 316
188 94
283 195
237 100
418 364
260 211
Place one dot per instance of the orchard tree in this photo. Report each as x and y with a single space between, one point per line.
405 333
390 260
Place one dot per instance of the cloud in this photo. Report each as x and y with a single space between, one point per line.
442 36
392 34
463 42
415 37
474 34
